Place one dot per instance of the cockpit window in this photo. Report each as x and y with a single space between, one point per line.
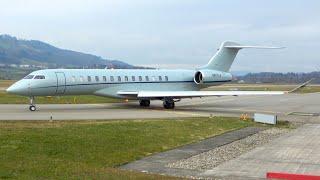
39 77
29 77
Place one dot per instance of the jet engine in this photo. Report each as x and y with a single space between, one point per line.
211 76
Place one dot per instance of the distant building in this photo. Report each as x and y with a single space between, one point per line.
24 65
40 66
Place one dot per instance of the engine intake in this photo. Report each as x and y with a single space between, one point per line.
211 76
198 78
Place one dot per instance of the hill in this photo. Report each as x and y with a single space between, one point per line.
272 77
18 52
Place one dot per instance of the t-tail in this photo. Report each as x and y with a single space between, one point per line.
226 54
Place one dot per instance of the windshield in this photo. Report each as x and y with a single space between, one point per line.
39 77
29 77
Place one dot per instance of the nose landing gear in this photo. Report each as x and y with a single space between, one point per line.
32 107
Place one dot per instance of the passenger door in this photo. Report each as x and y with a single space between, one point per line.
61 83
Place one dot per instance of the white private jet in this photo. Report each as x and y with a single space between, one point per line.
141 84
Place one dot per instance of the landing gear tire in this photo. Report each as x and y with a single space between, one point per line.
168 104
32 108
144 103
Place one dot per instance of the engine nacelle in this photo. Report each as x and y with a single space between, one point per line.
211 76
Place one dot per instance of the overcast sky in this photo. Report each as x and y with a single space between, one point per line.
174 33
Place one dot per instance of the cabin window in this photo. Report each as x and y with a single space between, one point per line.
140 78
73 79
81 79
104 78
119 78
29 77
153 78
111 78
160 78
126 78
89 78
133 78
97 78
39 77
147 78
166 78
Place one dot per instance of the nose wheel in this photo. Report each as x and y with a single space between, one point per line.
32 107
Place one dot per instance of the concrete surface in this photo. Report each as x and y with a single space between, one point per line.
295 152
281 105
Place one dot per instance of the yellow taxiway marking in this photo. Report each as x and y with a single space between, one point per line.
184 113
289 113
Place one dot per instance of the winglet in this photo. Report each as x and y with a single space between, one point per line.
300 86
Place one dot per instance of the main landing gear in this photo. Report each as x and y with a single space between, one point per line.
144 102
168 103
32 107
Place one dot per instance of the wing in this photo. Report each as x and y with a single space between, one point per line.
190 94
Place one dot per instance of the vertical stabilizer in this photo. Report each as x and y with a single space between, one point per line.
226 54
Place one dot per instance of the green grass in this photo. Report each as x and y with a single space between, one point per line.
94 149
309 89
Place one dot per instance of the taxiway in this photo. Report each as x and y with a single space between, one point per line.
283 106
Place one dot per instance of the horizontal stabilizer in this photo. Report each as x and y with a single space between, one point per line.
257 47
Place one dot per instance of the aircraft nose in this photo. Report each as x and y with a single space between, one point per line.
12 89
15 89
